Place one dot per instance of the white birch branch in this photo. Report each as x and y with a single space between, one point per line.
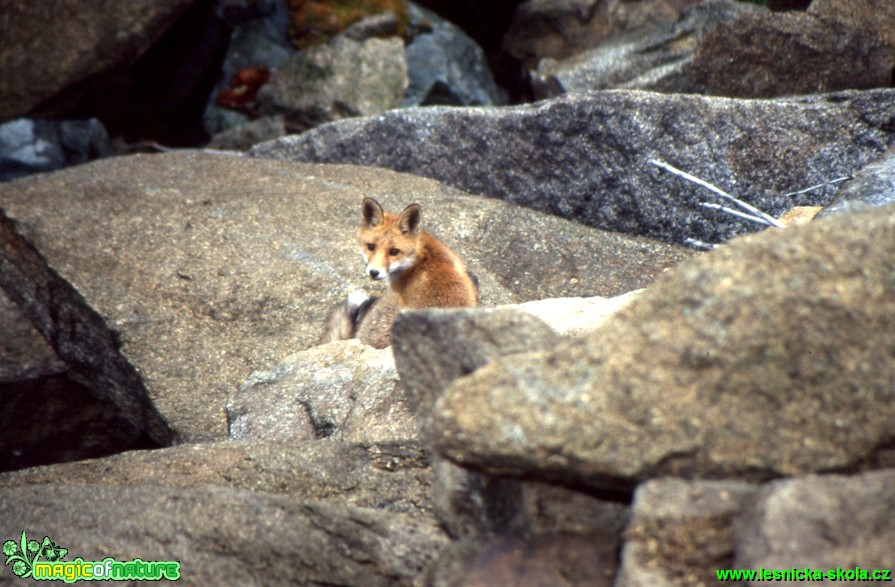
754 213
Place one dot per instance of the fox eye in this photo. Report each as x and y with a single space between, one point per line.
371 246
393 251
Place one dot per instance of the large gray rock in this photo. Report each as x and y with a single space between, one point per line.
474 506
45 417
681 532
33 146
445 66
24 353
561 28
244 136
586 156
340 79
343 391
576 316
868 18
51 418
48 47
79 337
762 359
210 267
515 532
566 560
873 186
389 477
656 58
781 54
223 536
433 347
823 523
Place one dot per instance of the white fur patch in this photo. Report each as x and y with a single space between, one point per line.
396 269
356 298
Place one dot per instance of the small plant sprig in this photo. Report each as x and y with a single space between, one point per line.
23 556
22 561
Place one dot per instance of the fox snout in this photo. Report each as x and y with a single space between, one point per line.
376 273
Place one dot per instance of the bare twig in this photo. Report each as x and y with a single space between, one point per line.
820 185
733 212
162 148
698 244
753 213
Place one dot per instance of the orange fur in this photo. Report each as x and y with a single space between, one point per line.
422 271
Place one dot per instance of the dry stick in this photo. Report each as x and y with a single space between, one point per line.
754 213
820 185
698 244
162 148
733 212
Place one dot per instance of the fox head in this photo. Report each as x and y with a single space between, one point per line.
388 241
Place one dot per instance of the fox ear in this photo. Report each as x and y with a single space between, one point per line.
372 212
410 219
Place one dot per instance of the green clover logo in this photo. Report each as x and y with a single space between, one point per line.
24 554
20 568
10 548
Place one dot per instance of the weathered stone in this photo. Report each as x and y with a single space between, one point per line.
871 19
34 146
390 477
681 532
744 57
51 418
244 136
586 156
433 347
761 359
561 28
557 560
384 24
223 536
45 416
553 509
873 186
821 523
445 66
655 58
24 353
341 79
472 506
576 316
498 519
344 391
209 267
79 335
48 47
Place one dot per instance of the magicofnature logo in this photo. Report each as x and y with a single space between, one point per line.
23 555
44 561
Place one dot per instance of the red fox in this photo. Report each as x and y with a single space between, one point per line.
421 270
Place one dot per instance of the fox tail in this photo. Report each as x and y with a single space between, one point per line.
343 322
